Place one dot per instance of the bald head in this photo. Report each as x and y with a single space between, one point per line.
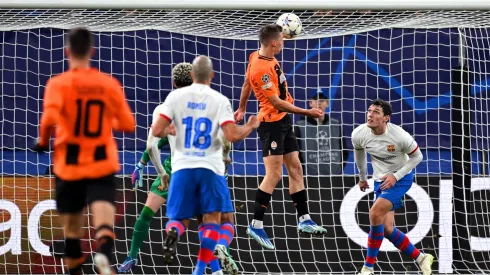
202 69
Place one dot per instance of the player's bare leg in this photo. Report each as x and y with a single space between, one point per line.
402 242
273 172
141 230
103 221
306 226
210 237
377 215
73 257
174 230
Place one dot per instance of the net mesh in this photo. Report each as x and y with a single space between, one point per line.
431 65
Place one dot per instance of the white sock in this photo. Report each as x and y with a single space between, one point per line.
305 217
370 268
219 272
420 257
257 224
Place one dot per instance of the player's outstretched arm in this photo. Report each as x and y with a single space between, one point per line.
285 106
415 157
244 96
154 153
234 133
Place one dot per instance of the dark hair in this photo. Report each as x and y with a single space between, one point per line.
269 32
385 106
80 41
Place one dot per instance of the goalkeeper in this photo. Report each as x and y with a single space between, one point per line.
158 194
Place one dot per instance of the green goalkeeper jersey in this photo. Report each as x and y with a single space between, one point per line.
167 164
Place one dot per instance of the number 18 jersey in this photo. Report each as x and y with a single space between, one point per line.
198 112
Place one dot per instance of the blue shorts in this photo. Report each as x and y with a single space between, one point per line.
194 192
396 193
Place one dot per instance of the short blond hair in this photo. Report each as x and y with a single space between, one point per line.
181 74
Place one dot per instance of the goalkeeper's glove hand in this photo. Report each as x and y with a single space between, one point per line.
137 176
37 147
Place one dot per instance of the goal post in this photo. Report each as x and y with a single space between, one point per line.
428 58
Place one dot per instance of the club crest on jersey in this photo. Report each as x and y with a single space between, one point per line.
391 148
273 145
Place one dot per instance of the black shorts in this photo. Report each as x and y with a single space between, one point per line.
278 137
73 196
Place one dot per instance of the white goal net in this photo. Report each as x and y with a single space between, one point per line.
432 65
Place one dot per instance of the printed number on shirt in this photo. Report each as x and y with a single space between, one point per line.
198 133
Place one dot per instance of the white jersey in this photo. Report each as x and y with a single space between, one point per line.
198 112
389 151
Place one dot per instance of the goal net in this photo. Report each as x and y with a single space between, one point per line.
432 65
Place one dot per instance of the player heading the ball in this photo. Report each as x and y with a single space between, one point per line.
85 106
394 154
198 186
279 144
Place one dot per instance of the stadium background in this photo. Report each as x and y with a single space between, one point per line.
411 68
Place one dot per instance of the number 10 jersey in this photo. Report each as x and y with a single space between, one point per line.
198 112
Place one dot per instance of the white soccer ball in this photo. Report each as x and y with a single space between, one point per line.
291 25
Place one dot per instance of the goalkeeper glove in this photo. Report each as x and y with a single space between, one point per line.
138 175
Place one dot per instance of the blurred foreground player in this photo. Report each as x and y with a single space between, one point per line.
394 153
158 194
198 186
84 105
279 144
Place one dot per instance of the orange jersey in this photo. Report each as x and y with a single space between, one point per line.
84 105
267 79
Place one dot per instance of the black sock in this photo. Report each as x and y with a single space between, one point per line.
262 200
106 244
76 270
301 202
73 251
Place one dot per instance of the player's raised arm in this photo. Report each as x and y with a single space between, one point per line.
124 119
414 154
285 106
360 159
231 131
244 96
52 106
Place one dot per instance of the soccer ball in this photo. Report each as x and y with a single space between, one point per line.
291 25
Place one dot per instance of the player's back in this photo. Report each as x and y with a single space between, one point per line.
92 105
198 110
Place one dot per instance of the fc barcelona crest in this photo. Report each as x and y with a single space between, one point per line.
391 148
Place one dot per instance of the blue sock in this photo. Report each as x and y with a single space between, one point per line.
375 238
214 264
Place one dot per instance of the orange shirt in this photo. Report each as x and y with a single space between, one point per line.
84 105
267 79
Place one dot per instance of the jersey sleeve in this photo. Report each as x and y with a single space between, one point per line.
409 145
356 140
225 113
166 110
264 83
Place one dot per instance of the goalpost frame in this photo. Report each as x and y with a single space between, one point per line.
250 4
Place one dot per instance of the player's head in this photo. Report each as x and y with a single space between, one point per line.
319 101
271 36
80 44
182 75
378 113
202 70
